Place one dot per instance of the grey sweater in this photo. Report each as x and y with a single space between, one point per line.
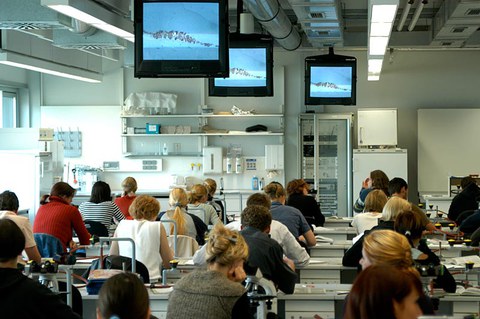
203 294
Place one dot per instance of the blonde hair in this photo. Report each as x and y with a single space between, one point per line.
274 190
198 193
210 185
386 247
178 199
225 246
393 207
144 207
129 185
375 201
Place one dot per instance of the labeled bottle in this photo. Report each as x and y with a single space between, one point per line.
229 163
255 183
238 164
165 149
261 183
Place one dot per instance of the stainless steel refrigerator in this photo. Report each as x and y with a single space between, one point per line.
326 160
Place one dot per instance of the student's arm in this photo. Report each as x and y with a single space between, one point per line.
80 229
165 250
117 213
293 250
33 254
214 219
283 274
114 250
310 238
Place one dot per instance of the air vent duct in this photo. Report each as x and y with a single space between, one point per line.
29 15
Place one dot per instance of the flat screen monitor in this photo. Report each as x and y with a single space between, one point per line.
181 38
250 68
330 80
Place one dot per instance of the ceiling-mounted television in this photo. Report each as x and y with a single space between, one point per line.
330 79
181 38
250 67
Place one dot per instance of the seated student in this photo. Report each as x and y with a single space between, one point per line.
216 292
398 187
129 186
211 186
467 199
376 180
198 200
288 215
56 217
409 224
264 252
298 197
178 201
381 292
100 207
374 203
151 244
123 296
23 297
392 208
8 209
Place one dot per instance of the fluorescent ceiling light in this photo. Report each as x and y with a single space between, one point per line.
373 77
377 45
43 66
383 13
95 15
375 65
380 29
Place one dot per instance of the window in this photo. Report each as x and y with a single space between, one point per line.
8 109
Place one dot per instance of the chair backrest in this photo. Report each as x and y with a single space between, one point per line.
199 212
96 228
48 245
186 246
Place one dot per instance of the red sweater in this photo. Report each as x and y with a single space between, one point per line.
57 218
124 203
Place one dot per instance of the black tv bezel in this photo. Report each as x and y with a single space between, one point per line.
330 60
247 41
181 68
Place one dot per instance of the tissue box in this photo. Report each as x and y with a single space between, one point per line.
153 128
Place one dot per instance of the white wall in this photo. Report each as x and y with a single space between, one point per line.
410 80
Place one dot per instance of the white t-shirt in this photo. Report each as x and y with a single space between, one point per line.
146 235
365 221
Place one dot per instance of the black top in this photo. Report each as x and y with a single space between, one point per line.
266 254
352 256
309 208
467 199
25 298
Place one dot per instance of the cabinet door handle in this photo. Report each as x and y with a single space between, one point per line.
211 161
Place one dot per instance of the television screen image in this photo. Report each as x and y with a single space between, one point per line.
331 82
180 31
248 67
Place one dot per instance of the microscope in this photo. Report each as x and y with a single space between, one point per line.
260 292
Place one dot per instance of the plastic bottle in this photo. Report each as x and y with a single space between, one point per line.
261 183
229 163
165 149
238 164
255 183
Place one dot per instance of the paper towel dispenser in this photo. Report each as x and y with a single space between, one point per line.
212 160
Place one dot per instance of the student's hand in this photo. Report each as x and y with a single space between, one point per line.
236 272
72 245
367 183
289 262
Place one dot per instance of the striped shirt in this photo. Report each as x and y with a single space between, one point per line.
103 212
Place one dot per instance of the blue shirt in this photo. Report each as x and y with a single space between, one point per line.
290 217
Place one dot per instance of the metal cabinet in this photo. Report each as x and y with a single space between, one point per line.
326 160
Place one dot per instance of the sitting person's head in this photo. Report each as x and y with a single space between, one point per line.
384 292
211 187
393 207
259 199
129 186
101 192
386 248
256 216
276 192
226 252
375 201
9 201
12 243
198 194
144 207
123 296
397 186
178 200
297 186
410 225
